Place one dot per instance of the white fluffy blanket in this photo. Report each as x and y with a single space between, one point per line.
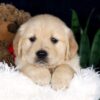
15 86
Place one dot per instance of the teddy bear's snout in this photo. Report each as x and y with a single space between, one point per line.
13 27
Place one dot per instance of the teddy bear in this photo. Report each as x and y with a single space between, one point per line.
10 20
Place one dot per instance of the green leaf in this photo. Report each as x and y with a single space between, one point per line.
84 50
75 25
95 51
88 21
85 45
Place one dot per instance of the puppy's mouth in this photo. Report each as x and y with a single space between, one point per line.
41 61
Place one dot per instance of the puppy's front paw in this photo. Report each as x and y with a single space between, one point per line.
58 82
40 76
61 77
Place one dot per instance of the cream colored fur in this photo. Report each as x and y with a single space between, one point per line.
62 56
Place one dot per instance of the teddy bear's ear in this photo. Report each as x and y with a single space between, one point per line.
13 27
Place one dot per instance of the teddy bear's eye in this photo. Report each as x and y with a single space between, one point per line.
54 40
32 39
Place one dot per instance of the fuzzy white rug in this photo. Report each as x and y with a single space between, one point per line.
15 86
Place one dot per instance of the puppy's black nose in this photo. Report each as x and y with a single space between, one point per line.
41 54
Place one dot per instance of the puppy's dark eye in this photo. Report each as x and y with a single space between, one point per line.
54 40
32 39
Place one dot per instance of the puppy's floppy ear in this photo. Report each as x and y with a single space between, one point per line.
18 41
17 45
72 46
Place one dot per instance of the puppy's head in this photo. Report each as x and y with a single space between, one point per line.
44 40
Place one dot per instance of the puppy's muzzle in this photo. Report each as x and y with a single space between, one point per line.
41 55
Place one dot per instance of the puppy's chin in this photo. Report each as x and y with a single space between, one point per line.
44 64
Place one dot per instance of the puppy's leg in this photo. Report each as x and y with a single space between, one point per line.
61 77
38 75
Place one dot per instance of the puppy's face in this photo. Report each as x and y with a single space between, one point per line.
44 41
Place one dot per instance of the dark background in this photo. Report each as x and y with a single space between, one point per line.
62 9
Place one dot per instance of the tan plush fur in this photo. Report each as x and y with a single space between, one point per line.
62 60
10 19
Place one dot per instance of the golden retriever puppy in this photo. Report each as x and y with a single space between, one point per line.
46 51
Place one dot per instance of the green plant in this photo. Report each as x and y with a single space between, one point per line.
75 25
88 56
95 51
84 50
